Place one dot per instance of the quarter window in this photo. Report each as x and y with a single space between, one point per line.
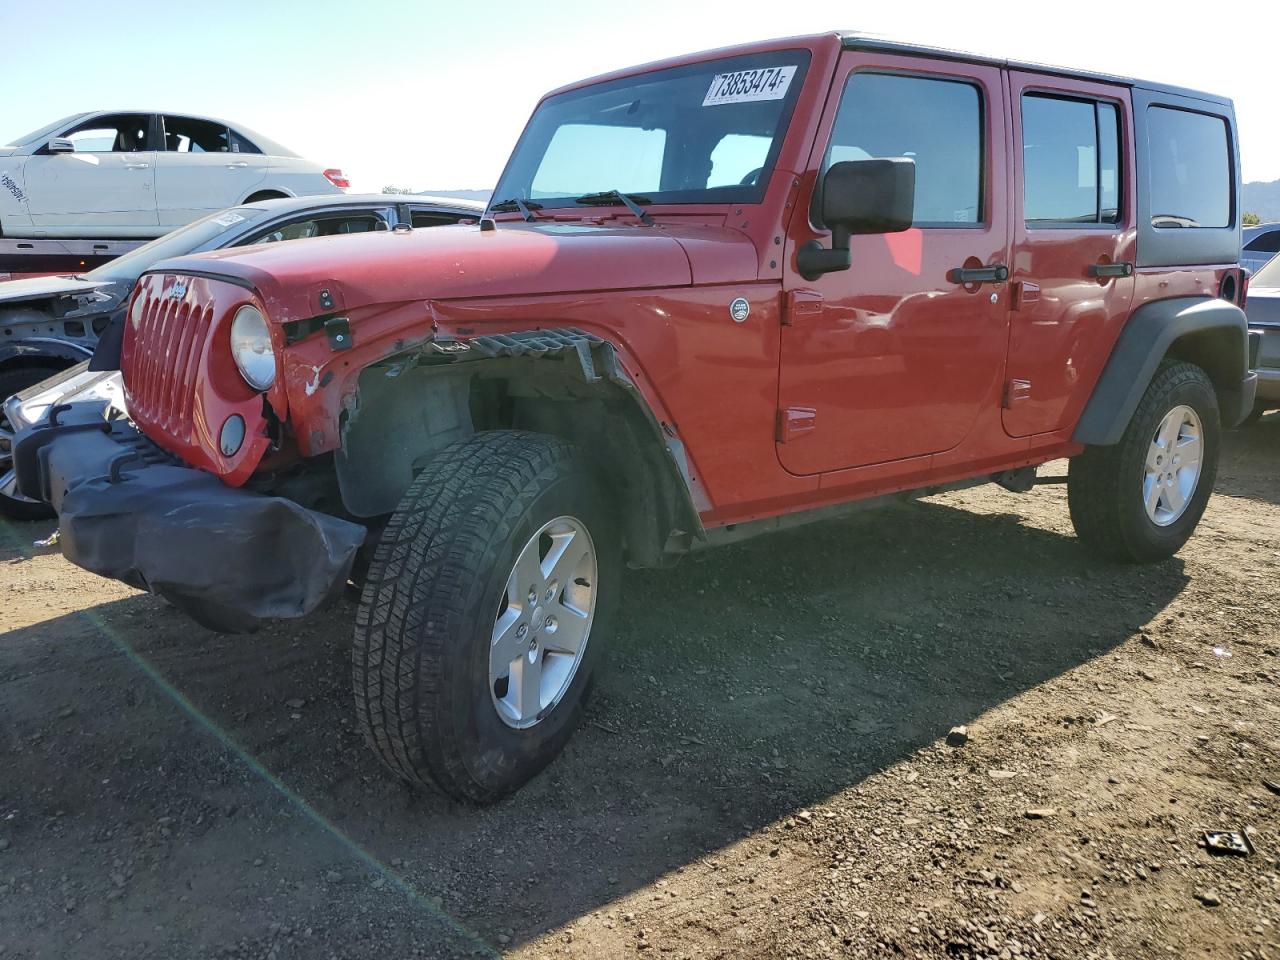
937 123
1070 161
1190 165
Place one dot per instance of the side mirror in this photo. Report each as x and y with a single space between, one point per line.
859 197
61 145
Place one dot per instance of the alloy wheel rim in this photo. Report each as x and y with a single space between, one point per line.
8 477
1173 467
543 622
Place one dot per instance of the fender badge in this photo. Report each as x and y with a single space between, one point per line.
739 309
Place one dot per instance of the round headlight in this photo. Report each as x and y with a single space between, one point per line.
251 348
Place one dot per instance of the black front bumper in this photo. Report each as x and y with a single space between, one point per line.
228 557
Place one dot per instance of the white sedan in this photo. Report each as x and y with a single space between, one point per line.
116 175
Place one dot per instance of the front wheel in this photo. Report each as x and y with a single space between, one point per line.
1140 500
484 613
13 504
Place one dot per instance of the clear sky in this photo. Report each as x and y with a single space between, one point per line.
431 95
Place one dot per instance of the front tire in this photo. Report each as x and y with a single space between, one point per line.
484 614
1140 500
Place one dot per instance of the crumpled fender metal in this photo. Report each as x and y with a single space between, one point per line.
226 556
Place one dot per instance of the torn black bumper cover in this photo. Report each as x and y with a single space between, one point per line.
228 557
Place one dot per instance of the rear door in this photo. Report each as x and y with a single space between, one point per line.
202 168
1074 243
106 186
894 358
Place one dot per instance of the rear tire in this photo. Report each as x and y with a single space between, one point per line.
1134 503
439 609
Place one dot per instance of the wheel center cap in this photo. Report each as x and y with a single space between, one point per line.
539 618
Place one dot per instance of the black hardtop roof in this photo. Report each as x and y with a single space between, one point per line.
862 41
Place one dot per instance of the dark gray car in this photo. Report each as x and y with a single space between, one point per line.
50 323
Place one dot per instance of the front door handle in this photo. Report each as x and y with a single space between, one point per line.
237 164
966 275
137 166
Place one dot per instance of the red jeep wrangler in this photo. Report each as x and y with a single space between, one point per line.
714 296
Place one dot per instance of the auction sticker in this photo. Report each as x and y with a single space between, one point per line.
746 86
228 219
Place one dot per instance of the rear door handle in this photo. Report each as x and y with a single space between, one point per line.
237 164
966 275
1121 269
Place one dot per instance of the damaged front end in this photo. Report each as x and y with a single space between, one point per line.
228 557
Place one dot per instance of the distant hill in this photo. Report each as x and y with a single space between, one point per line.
1263 199
459 194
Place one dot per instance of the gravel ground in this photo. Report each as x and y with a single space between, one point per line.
769 768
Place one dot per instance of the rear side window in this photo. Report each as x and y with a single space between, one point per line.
1265 243
937 123
187 135
1190 169
1070 161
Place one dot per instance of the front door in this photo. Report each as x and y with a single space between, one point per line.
894 358
107 184
1074 245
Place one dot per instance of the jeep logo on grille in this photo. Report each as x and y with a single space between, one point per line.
178 290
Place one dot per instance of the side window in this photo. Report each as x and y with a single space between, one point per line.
1070 160
1265 243
938 123
1190 169
434 218
572 164
318 227
121 133
185 135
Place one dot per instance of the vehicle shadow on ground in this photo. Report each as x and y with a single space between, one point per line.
1251 461
744 685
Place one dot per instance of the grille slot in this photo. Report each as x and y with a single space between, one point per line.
163 362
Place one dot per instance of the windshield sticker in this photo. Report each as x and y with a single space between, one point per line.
747 86
228 219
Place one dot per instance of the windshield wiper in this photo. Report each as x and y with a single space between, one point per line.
611 198
526 207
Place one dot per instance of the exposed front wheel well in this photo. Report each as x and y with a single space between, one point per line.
401 421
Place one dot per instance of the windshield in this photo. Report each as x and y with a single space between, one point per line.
46 131
1268 274
188 239
704 133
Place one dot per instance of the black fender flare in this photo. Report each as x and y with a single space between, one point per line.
1209 331
41 350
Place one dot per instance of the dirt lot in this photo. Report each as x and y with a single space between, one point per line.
765 771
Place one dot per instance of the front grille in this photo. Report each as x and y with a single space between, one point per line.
162 362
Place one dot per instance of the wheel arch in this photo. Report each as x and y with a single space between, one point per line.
563 383
1211 333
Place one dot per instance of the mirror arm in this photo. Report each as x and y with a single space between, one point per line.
813 259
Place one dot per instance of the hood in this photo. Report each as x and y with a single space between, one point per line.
1263 305
46 288
461 262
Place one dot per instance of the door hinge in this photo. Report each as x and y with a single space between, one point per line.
796 421
338 330
1016 391
801 303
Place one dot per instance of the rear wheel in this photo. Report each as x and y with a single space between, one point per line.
1139 500
13 504
484 613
